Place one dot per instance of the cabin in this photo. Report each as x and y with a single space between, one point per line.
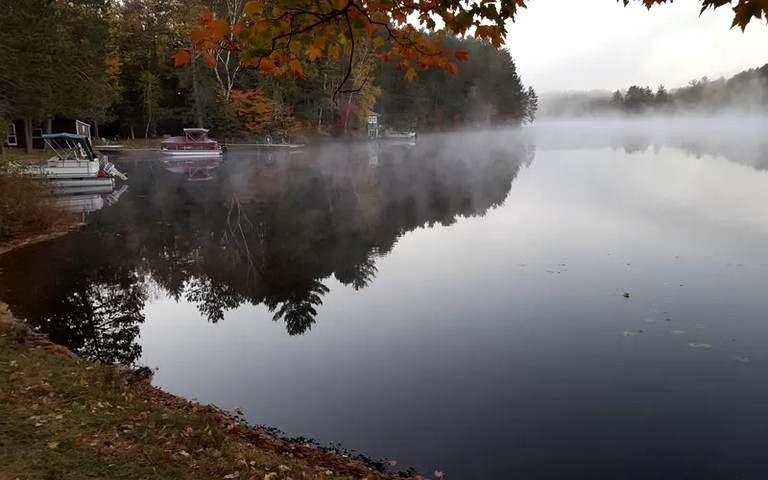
16 138
373 124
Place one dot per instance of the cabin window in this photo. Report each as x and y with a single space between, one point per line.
11 140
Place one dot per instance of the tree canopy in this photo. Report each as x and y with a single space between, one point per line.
273 37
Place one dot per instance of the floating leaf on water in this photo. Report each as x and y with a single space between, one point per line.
701 327
626 295
677 332
702 346
629 334
439 474
741 359
649 320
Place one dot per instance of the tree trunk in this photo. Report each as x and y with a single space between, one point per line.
96 129
133 134
346 114
198 107
27 134
49 125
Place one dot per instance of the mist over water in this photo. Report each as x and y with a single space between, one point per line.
455 305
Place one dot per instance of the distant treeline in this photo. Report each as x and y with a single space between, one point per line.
111 63
746 91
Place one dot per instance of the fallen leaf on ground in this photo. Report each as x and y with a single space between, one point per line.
53 445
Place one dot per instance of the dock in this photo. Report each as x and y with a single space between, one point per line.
235 146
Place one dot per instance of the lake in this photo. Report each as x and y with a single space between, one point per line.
573 300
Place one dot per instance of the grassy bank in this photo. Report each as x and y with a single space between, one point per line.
64 418
27 206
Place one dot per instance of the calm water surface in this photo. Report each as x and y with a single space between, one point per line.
455 306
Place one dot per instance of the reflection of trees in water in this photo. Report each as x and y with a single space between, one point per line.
260 233
297 307
94 311
748 151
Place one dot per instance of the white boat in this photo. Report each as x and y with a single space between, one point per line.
74 163
194 143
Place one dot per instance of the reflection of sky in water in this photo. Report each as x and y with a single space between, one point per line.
493 348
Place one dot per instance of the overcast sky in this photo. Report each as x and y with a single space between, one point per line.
599 44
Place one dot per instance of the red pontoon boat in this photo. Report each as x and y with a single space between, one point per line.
195 142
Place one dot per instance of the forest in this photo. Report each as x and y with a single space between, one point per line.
745 92
115 65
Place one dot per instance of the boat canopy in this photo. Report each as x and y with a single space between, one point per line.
66 145
196 134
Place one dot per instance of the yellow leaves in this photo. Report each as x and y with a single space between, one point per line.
410 74
182 57
53 445
314 52
334 51
254 8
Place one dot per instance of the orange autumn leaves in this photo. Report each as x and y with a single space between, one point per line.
280 37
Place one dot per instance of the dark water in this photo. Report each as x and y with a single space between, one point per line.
455 306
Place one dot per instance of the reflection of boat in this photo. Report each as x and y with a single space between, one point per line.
196 169
88 200
74 163
194 142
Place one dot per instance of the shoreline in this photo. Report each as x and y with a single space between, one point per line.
70 417
26 240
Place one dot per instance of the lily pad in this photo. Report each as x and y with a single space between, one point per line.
629 334
677 332
703 346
